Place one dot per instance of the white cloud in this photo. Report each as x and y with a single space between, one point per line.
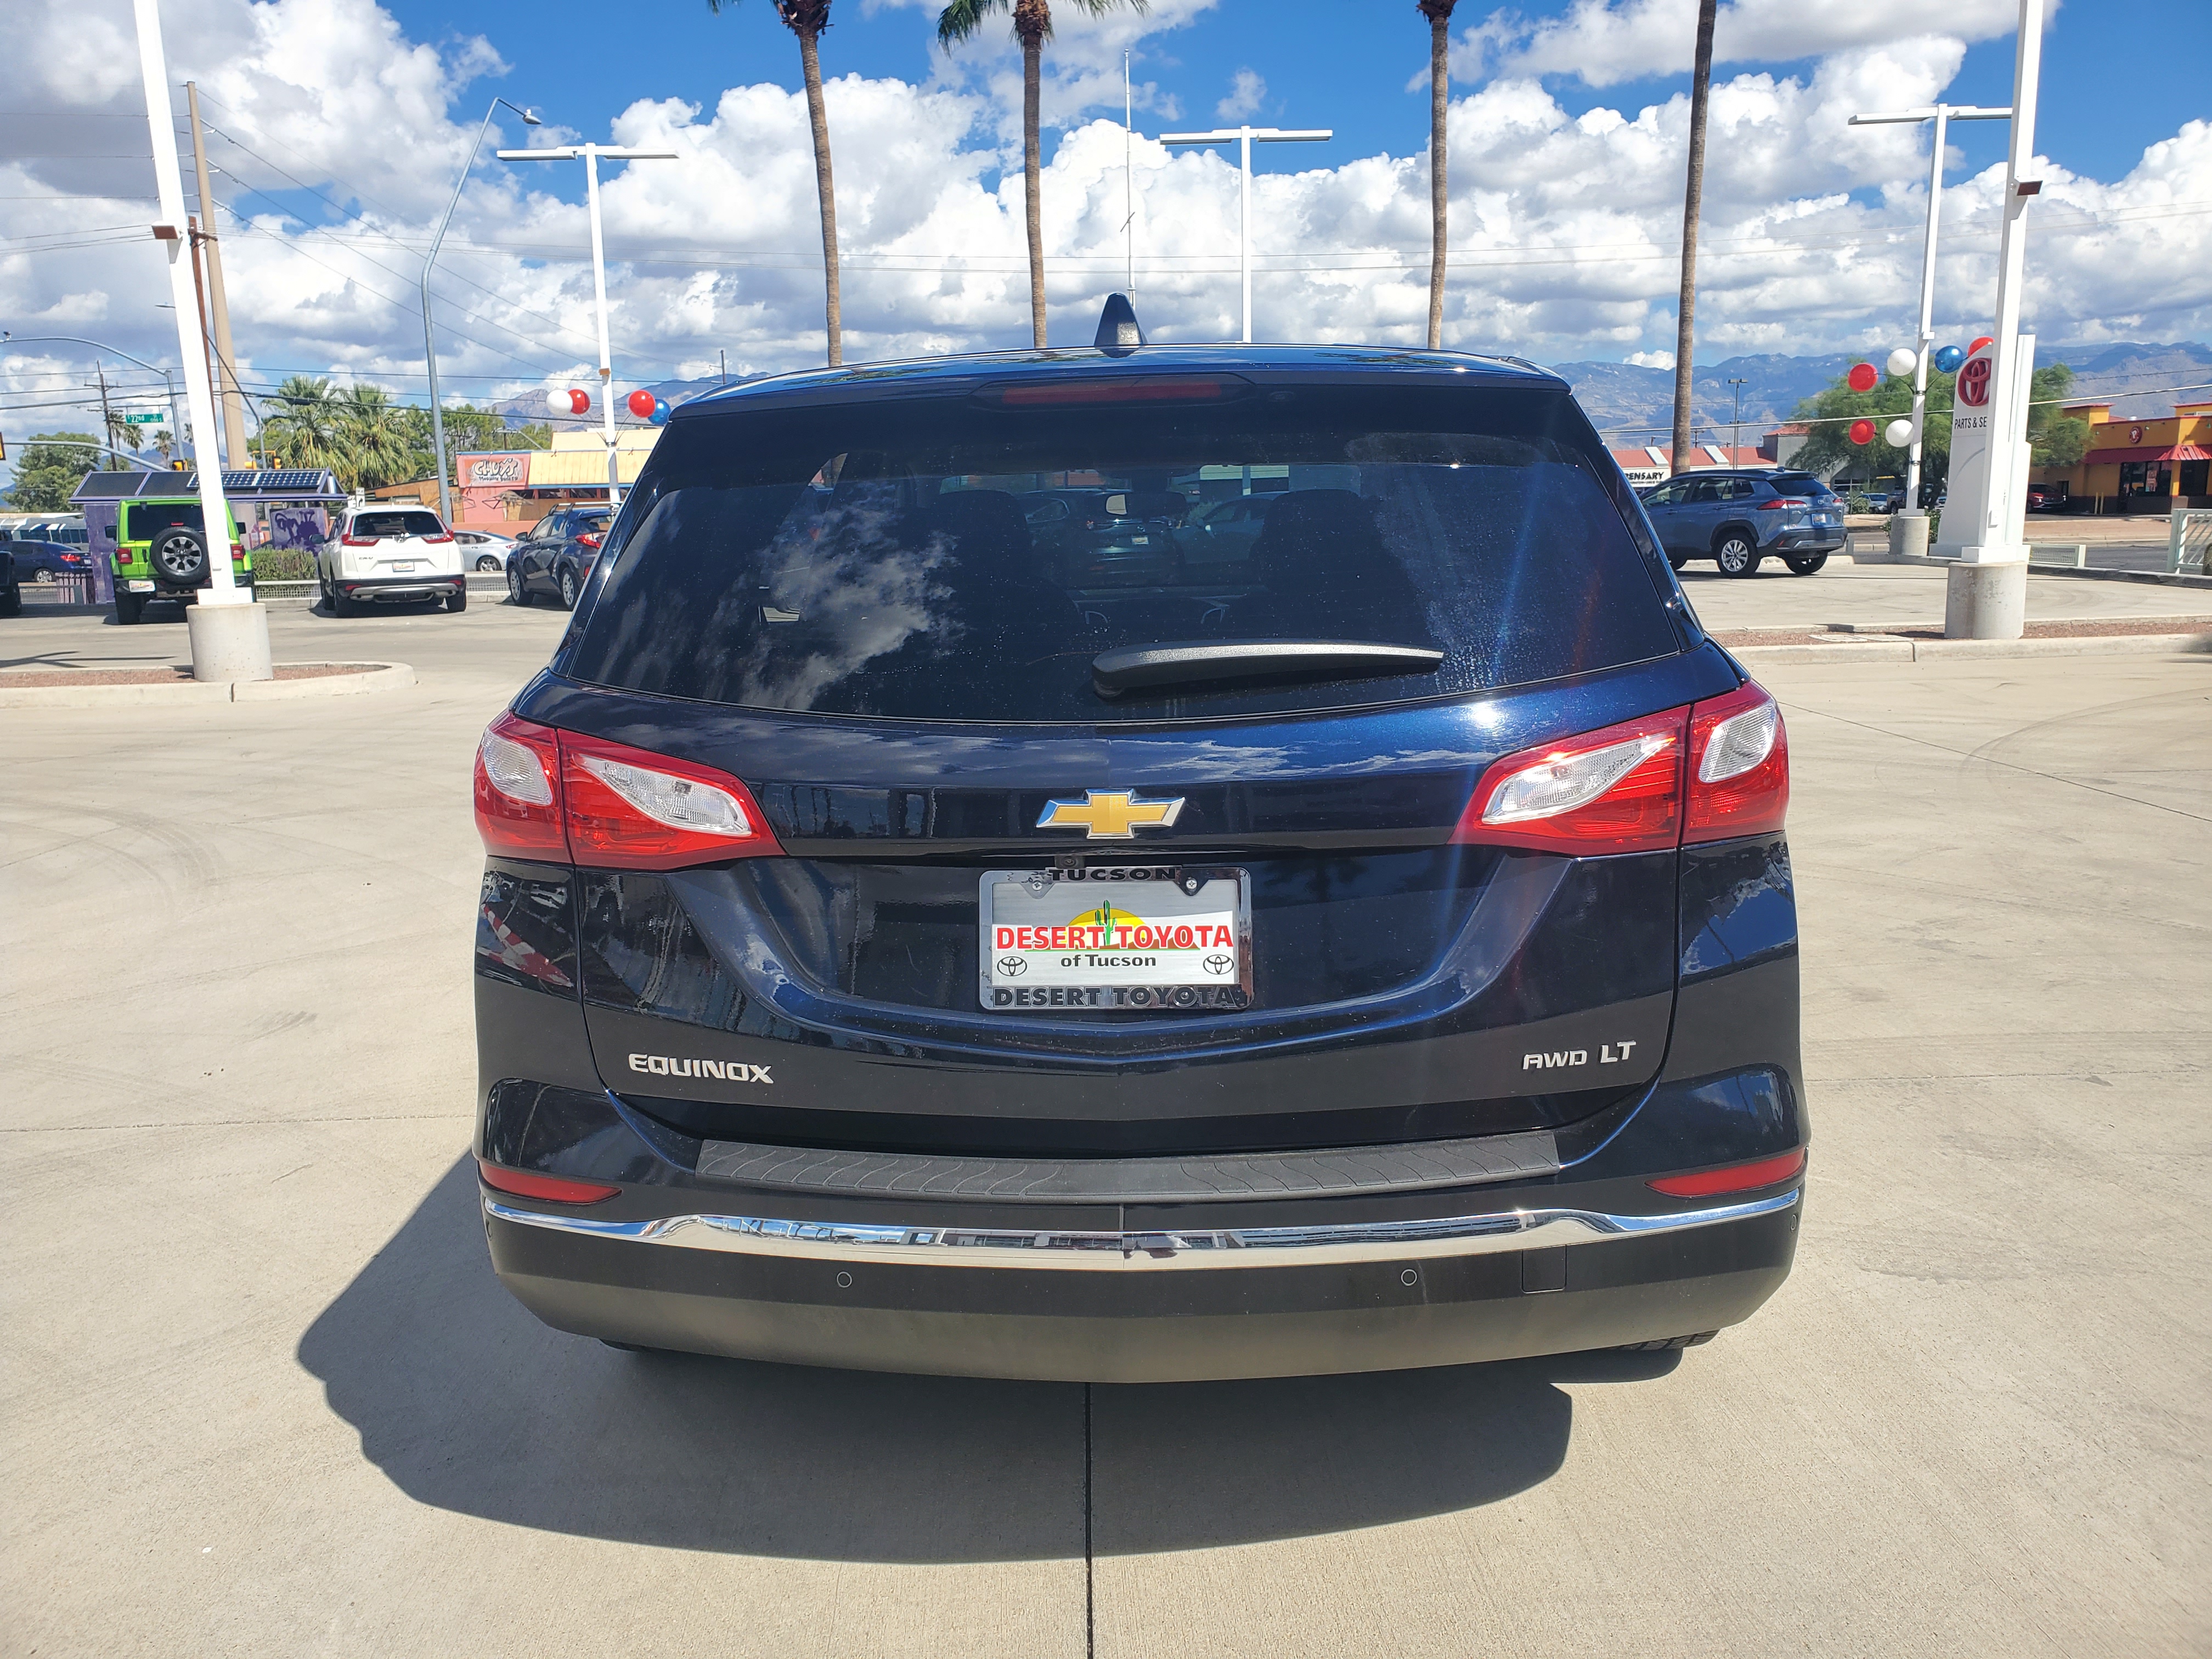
1650 359
1566 229
1246 94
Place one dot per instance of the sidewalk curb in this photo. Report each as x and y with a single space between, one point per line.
1878 649
2083 572
386 676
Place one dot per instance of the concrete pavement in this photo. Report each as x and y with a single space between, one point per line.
265 1396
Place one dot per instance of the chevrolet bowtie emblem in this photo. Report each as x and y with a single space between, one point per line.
1109 814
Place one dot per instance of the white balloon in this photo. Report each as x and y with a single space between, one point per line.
1899 434
557 400
1903 361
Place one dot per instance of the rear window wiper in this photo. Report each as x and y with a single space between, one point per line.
1191 662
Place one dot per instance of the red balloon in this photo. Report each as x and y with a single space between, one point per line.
1862 432
641 404
579 402
1981 341
1863 377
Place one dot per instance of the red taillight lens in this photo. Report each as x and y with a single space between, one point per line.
442 536
1616 790
517 791
1739 767
351 540
587 541
550 795
633 809
554 1189
1736 1178
1783 501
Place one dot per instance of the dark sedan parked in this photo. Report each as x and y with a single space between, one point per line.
42 562
1382 954
1736 518
553 558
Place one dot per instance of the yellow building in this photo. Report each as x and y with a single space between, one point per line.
2137 465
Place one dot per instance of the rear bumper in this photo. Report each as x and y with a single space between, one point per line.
1808 541
1181 1304
438 585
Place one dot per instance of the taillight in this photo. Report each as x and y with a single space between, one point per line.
442 536
1736 1178
351 540
1783 501
517 790
556 1189
549 795
1616 790
1739 767
631 808
587 541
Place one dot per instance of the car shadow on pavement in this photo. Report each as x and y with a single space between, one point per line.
467 1403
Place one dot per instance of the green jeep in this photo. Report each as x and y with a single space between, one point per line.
161 552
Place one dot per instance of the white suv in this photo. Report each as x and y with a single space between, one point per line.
390 555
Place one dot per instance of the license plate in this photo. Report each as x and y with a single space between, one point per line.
405 567
140 587
1127 936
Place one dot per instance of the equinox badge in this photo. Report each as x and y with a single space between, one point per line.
1109 814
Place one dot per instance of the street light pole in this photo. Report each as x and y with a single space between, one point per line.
1942 115
1245 138
229 632
429 342
591 155
1735 425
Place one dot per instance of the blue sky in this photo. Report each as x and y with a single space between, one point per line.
2111 83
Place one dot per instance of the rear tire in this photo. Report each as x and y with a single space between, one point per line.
341 605
458 601
1736 555
11 602
129 607
1805 565
569 593
1665 1344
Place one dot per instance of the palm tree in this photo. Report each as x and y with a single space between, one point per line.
1438 12
1701 81
305 429
807 19
1032 28
373 438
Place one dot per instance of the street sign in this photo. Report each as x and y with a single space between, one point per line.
154 419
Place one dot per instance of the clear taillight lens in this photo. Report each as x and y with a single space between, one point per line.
680 803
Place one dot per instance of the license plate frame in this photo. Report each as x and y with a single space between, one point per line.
1160 892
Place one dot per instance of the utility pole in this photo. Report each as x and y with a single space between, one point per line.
1735 425
229 633
1245 138
1693 196
591 155
106 415
233 408
1985 595
724 354
429 340
1942 115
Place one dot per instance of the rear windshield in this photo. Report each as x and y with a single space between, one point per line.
1798 484
146 520
946 560
397 523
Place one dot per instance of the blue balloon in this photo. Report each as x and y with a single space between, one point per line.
1948 359
660 412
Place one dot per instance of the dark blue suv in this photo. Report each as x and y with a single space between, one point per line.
1373 949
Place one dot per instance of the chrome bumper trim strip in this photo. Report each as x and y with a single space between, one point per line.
1101 1252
